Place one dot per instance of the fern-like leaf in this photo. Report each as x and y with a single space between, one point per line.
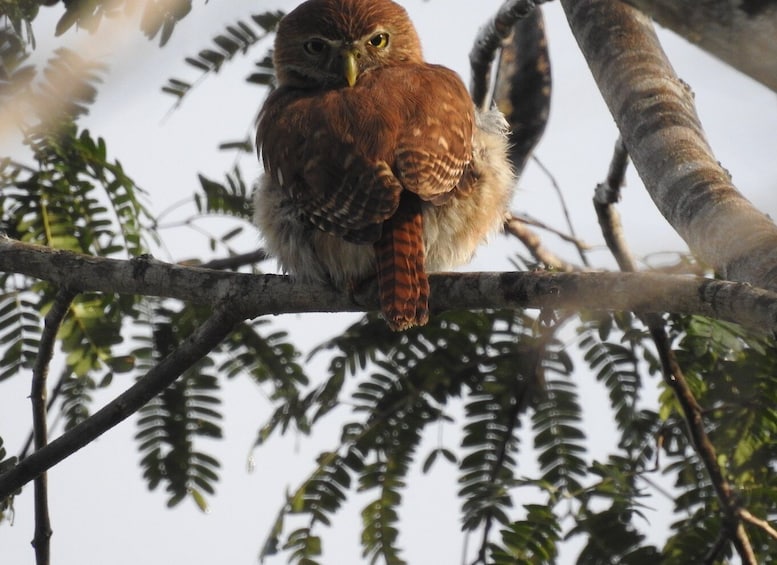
234 40
187 411
20 328
530 541
558 435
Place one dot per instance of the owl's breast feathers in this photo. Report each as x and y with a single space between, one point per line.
402 127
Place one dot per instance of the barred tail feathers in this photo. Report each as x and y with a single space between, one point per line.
402 281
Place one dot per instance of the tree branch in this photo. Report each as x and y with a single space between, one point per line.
692 412
739 32
488 39
52 322
573 239
199 344
518 228
655 113
606 194
236 261
745 515
522 87
258 295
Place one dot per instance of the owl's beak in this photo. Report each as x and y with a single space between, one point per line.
350 66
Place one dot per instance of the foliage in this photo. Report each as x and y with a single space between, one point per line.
499 378
236 39
6 463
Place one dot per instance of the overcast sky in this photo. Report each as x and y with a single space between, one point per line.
101 509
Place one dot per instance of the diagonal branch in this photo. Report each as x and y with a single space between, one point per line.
606 195
655 113
673 376
517 227
746 516
199 344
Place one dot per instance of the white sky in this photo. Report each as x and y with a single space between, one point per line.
101 509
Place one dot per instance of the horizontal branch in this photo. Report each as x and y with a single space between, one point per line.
257 295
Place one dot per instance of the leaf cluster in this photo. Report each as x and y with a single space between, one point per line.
495 363
236 39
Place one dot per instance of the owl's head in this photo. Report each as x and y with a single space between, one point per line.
330 43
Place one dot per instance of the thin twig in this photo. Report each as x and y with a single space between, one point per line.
52 322
580 249
533 243
236 261
715 550
607 194
52 399
745 515
531 221
674 377
200 343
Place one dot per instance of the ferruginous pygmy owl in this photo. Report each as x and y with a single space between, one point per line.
375 161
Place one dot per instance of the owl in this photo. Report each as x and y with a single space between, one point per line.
376 163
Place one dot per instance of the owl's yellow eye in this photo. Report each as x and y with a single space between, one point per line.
315 46
379 41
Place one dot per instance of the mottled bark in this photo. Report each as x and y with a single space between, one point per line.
743 33
259 295
655 113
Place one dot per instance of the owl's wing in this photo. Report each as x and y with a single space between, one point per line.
435 148
312 147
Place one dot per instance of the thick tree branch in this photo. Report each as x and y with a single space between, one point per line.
740 32
199 344
655 113
52 322
258 295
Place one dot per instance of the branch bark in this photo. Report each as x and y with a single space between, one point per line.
740 32
655 113
52 322
258 295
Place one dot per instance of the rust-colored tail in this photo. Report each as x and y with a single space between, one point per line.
402 281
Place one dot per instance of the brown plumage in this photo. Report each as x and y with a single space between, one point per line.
375 161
